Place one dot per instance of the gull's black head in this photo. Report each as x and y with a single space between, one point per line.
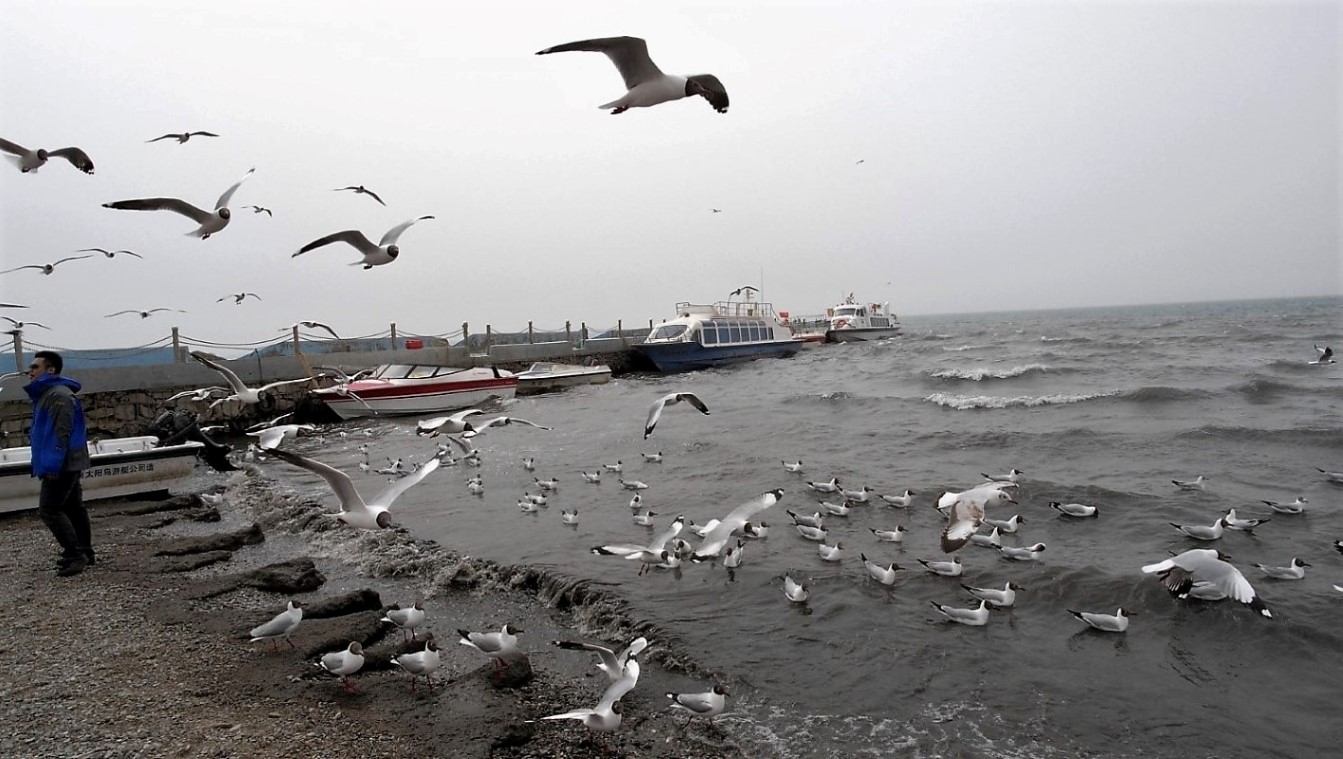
384 520
224 213
393 251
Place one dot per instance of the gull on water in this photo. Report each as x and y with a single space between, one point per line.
32 160
815 520
1002 599
241 392
384 252
811 533
421 663
1294 571
756 530
617 467
951 568
794 591
354 510
836 509
652 458
1117 622
991 540
344 663
183 136
890 536
732 559
884 575
146 313
717 538
1199 532
794 468
974 617
406 619
1194 484
569 517
46 268
1005 525
645 519
1075 509
1324 355
632 484
901 501
636 502
1012 476
1331 476
361 190
857 496
1244 525
528 463
1029 553
210 221
1295 507
825 487
280 626
645 83
831 552
547 486
612 664
671 399
709 705
1179 573
110 253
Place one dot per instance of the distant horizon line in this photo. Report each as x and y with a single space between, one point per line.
1333 296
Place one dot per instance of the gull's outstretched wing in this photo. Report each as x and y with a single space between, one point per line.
162 204
629 54
351 236
228 194
394 491
394 233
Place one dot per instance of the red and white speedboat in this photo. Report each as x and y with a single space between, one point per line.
404 389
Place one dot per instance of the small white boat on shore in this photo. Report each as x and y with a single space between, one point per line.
120 467
852 322
545 377
407 389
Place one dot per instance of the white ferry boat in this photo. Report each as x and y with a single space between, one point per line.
726 332
852 322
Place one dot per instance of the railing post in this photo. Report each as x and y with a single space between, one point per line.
177 347
393 335
530 333
583 334
296 348
18 351
620 331
489 337
466 337
568 334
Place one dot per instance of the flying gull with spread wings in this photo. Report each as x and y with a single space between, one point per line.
645 82
209 221
384 252
30 161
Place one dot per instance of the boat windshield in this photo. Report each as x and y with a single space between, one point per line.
668 332
846 311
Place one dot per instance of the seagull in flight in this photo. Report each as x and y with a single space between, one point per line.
716 539
145 314
671 399
354 510
455 423
241 392
611 663
361 190
1179 573
500 421
46 268
966 513
645 82
109 253
384 252
261 209
209 221
20 325
310 325
744 289
32 160
238 298
183 137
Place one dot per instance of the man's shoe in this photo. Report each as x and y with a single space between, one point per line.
72 566
90 556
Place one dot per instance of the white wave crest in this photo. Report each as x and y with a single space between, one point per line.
980 373
962 402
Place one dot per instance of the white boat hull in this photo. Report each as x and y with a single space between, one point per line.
411 404
120 467
859 335
545 377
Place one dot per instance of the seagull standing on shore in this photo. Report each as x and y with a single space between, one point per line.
354 510
384 252
671 399
499 646
280 626
344 663
645 82
29 161
421 663
210 222
405 619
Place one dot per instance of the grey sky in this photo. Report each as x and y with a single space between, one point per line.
1015 155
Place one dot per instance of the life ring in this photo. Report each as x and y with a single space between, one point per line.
840 324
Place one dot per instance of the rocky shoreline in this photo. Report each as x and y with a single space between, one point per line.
146 653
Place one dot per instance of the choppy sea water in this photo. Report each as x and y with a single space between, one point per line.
1099 406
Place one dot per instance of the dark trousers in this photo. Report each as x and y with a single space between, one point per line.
61 508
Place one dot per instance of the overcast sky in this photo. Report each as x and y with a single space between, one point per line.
1014 155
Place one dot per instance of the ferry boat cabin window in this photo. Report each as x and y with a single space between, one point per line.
668 331
736 332
710 335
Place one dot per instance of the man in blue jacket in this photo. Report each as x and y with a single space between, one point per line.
60 454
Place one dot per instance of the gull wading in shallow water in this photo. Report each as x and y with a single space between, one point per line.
645 82
209 221
384 252
708 705
671 399
1179 573
354 510
29 161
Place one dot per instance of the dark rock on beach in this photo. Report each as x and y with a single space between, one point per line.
227 541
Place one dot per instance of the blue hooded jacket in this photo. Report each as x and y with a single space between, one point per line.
57 438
